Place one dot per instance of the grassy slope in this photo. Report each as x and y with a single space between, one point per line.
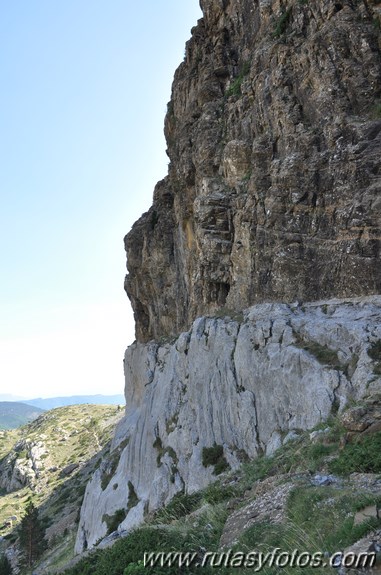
317 518
72 434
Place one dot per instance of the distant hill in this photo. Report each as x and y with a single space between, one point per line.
52 402
14 413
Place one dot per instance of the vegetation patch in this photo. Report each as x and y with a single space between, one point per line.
282 23
109 473
322 353
133 499
215 456
363 455
158 444
218 492
180 505
170 424
125 556
113 521
235 87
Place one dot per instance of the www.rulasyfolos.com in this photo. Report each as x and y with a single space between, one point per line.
257 560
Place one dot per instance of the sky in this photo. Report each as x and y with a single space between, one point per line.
85 85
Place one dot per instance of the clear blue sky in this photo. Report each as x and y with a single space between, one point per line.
84 90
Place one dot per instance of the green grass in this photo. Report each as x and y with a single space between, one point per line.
363 455
282 23
126 555
317 518
235 87
181 505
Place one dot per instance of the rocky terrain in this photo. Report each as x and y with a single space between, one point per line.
318 493
253 390
272 199
51 460
273 189
225 392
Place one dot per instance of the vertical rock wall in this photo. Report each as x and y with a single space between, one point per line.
273 189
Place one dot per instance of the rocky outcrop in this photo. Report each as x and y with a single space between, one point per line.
23 465
273 189
227 390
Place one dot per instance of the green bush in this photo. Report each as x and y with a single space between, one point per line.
113 521
235 87
215 456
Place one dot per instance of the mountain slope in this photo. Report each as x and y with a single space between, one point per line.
14 414
51 460
318 494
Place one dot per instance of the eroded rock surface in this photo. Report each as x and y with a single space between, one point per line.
273 189
239 387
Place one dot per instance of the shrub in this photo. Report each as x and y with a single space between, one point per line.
113 521
215 456
235 87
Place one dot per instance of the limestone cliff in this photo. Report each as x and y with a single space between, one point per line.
273 190
223 392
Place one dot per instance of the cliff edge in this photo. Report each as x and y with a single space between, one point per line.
273 188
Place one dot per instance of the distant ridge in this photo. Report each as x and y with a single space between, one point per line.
14 414
52 402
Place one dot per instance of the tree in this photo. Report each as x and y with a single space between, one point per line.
5 566
32 533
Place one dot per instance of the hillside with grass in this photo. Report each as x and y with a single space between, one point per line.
14 413
320 493
49 461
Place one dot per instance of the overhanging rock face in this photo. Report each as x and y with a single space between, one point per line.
235 385
273 189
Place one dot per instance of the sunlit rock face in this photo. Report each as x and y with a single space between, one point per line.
273 190
273 194
234 386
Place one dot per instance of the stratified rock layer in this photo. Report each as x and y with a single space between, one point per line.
273 190
237 387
